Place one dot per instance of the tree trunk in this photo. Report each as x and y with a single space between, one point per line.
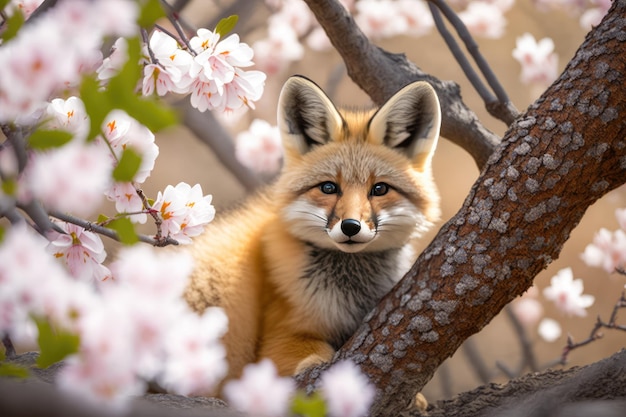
566 151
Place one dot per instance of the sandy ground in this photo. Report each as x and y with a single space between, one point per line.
183 158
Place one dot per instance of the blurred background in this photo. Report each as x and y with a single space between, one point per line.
184 158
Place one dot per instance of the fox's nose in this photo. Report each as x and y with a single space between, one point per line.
350 227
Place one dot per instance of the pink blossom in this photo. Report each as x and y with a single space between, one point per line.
347 391
184 210
196 358
81 251
71 178
527 308
538 60
260 391
294 14
484 19
549 330
170 72
122 131
567 294
68 115
607 251
280 48
259 148
379 19
112 64
418 19
126 199
27 7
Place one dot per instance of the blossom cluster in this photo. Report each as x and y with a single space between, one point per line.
210 70
538 60
29 80
260 391
608 250
567 295
133 328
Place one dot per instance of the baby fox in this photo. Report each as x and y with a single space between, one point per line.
298 266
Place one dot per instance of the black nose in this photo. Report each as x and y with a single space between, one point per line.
350 227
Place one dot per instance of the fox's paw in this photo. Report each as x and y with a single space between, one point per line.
420 402
311 361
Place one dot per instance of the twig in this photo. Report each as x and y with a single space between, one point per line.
9 349
93 227
174 18
528 355
469 72
595 331
502 108
476 361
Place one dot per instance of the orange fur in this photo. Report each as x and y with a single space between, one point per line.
299 265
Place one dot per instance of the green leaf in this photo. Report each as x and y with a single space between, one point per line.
46 139
102 219
127 167
13 370
97 104
225 25
12 25
9 186
2 232
125 230
308 406
150 12
55 344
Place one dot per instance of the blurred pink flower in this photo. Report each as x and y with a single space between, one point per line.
607 251
484 19
567 294
346 390
260 391
538 60
549 330
259 148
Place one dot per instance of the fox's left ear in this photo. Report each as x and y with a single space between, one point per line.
409 122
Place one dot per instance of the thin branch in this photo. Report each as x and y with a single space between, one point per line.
595 331
528 355
206 128
506 111
475 360
93 227
467 68
9 349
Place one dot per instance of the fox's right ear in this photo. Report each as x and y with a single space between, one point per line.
306 116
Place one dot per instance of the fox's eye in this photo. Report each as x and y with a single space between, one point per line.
329 187
379 189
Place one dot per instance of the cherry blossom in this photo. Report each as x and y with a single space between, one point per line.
484 19
170 72
184 210
259 148
592 16
122 131
549 330
112 64
71 178
608 250
260 391
347 391
379 18
126 199
527 308
27 7
280 48
567 294
81 251
538 60
68 115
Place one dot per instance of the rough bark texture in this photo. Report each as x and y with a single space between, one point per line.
564 153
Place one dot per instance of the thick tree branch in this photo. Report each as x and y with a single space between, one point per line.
563 154
380 74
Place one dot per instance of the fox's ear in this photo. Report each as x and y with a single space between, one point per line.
306 116
409 121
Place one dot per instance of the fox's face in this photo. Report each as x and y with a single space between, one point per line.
358 181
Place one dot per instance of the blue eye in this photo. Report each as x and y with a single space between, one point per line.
329 187
379 189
